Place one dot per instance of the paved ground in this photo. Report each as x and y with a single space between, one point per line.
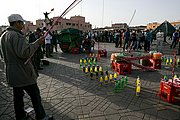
68 95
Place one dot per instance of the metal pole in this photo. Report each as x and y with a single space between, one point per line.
103 13
132 17
179 47
174 64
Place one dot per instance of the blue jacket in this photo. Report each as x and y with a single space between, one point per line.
127 35
148 36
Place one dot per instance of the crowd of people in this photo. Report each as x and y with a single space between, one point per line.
46 49
136 40
126 39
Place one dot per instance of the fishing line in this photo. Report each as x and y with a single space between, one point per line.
63 14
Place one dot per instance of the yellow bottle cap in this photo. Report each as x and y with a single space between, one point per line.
100 69
80 60
106 78
86 70
175 76
85 61
101 79
110 76
95 69
115 75
137 81
91 69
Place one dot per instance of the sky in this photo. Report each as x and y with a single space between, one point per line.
99 13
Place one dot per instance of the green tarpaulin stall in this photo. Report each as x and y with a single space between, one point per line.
165 27
70 38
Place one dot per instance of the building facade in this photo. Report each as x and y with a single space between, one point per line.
29 27
77 22
154 25
118 26
176 24
138 28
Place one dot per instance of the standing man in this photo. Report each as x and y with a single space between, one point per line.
36 59
160 39
178 53
116 37
134 40
48 44
175 39
22 77
126 39
148 39
54 40
139 36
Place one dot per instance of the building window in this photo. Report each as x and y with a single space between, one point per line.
81 24
73 24
68 24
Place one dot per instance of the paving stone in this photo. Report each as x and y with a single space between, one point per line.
5 117
130 118
95 113
112 117
169 114
98 118
110 111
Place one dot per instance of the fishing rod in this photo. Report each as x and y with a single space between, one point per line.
129 44
63 14
71 6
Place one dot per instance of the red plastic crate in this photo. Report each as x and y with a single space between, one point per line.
124 68
155 63
114 67
103 53
64 46
169 92
75 50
